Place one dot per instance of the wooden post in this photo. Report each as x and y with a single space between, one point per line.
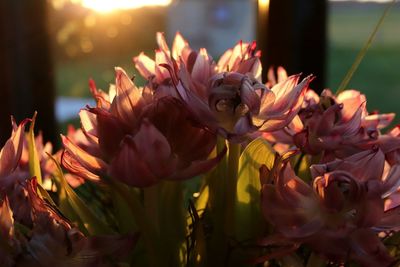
26 71
294 36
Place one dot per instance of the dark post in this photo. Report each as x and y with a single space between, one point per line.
294 37
26 71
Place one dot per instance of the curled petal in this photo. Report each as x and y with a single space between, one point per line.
102 99
73 166
378 121
392 181
249 97
89 162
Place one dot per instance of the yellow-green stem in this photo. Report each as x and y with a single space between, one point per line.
315 261
231 183
146 227
151 205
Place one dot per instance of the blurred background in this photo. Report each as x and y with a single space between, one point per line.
50 49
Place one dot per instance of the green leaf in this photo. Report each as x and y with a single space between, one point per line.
34 162
249 220
91 222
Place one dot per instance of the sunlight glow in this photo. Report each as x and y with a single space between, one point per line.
106 6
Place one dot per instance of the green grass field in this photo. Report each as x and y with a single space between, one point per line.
379 72
349 28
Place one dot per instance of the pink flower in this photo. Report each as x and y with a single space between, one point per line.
337 126
151 139
50 239
340 215
43 236
229 96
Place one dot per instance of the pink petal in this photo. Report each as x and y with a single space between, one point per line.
162 44
154 149
88 122
352 100
87 161
251 65
392 182
202 67
127 101
161 72
224 60
69 161
11 153
129 167
145 65
198 167
178 45
110 133
6 220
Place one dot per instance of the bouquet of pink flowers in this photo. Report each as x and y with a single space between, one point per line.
206 165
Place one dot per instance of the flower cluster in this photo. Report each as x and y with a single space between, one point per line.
33 231
305 178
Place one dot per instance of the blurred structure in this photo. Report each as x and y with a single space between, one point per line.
26 66
292 34
214 24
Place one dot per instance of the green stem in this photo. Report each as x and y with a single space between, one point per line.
298 163
231 183
151 205
146 227
315 261
292 261
172 220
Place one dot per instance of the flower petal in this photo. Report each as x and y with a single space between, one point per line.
128 167
145 65
11 153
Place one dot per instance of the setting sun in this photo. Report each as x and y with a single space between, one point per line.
108 6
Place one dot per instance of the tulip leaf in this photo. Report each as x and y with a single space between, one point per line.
247 209
92 223
34 162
